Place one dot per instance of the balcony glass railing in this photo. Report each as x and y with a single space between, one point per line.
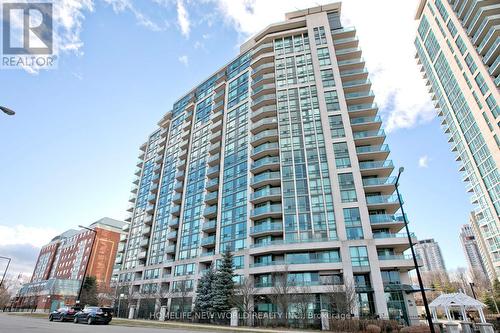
378 235
265 161
368 134
355 83
386 218
263 98
350 50
173 223
170 248
266 227
172 235
376 164
359 94
274 191
263 87
395 256
351 61
345 40
365 120
266 146
342 30
210 240
268 76
293 241
213 182
354 72
276 208
210 210
212 196
493 49
381 199
262 67
372 149
209 225
358 107
379 181
265 134
264 109
266 176
297 262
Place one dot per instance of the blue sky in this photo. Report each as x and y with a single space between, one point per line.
69 155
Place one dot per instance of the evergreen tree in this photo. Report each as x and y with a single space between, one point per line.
204 293
223 285
89 292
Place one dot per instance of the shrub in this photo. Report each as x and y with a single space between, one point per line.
415 329
373 329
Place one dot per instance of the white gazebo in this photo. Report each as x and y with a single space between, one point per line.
456 300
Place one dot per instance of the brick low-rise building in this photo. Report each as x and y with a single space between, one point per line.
62 262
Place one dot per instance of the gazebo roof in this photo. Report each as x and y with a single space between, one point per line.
456 299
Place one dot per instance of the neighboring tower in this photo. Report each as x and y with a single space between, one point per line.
280 158
471 251
429 251
458 46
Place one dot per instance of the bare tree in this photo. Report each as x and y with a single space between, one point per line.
281 294
243 298
342 298
5 294
302 299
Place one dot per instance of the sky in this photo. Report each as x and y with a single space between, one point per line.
68 156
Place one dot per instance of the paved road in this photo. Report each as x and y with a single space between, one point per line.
25 324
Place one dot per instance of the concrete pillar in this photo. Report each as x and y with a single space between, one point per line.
163 313
451 327
466 327
485 328
234 317
131 312
481 315
325 321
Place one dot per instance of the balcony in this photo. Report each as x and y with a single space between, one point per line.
266 229
121 247
265 136
213 172
296 262
377 152
356 85
119 258
155 179
214 148
183 154
263 112
272 210
263 89
216 126
181 165
263 69
354 74
174 223
148 220
146 230
219 106
349 64
350 53
209 226
376 168
263 79
264 100
184 144
390 221
388 202
176 210
266 194
343 33
219 95
211 197
369 137
360 97
179 175
346 43
179 186
212 184
266 163
210 211
172 235
366 123
266 178
263 58
136 181
142 255
157 168
214 159
265 149
170 249
154 188
208 241
218 115
144 243
123 238
138 171
383 185
215 137
362 110
266 47
177 198
150 208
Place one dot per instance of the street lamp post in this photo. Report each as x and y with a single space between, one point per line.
6 268
7 111
471 284
419 277
87 264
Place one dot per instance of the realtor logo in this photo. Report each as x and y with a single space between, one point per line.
27 34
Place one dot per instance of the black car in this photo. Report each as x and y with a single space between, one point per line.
94 315
62 314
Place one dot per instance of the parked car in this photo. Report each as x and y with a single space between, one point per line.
94 315
62 314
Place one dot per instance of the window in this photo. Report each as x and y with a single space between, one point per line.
481 83
319 36
452 28
347 189
359 256
336 126
470 63
431 46
327 78
391 277
341 153
324 57
332 101
442 11
423 27
352 220
238 90
492 104
334 20
461 45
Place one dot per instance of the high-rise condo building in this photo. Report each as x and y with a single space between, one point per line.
429 251
471 251
278 157
458 46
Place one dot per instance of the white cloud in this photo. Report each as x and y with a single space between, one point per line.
386 40
20 234
423 161
124 5
183 18
184 60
